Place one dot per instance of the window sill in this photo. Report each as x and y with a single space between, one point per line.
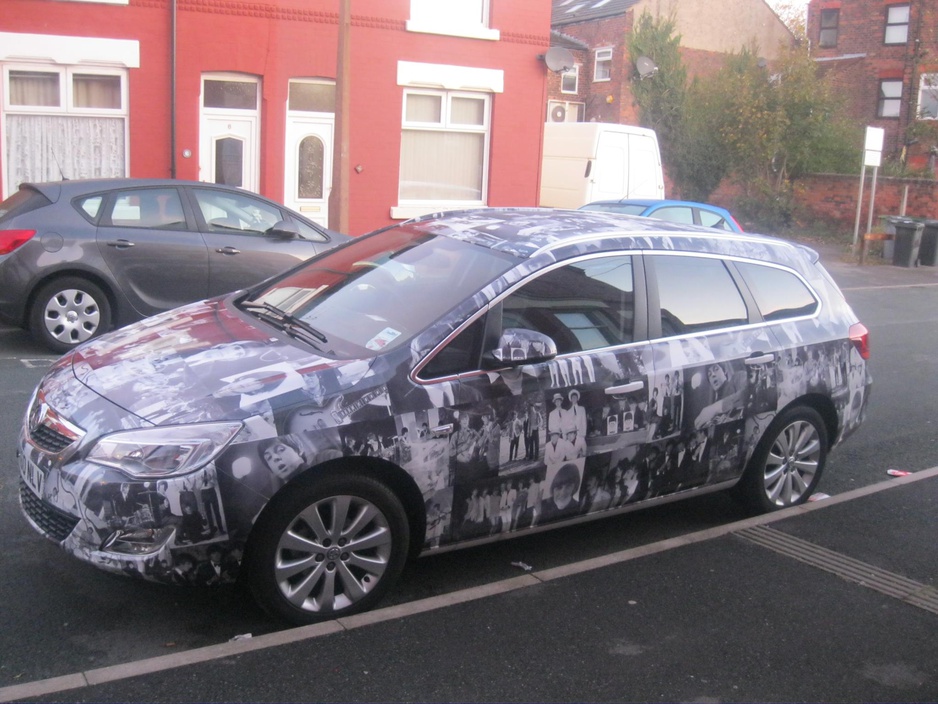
406 212
477 32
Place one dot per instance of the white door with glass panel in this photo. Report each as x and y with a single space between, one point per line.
308 167
228 152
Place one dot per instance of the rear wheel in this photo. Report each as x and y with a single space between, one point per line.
67 312
328 547
787 463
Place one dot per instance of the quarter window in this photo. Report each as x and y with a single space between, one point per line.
890 98
897 24
695 294
602 68
444 147
583 306
829 21
778 293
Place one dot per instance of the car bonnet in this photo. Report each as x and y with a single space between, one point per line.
201 363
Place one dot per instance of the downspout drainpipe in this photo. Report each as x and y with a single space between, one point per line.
172 89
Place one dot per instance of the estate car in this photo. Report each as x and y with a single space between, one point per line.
456 379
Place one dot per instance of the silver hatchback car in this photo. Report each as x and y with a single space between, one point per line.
456 379
80 257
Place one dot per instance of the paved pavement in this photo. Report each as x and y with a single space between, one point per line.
833 601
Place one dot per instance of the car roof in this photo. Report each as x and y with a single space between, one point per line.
528 232
53 190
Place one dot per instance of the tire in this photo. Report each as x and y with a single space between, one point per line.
67 312
787 463
297 565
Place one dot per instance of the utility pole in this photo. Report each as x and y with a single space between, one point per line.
339 197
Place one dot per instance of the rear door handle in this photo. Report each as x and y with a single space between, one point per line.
120 244
441 430
228 250
625 388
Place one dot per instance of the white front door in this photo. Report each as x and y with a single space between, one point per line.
228 150
308 166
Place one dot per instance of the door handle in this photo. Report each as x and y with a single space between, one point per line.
626 388
228 250
442 430
120 244
760 359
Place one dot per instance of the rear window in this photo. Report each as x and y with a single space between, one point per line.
22 201
779 294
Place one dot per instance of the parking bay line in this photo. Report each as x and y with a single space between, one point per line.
753 529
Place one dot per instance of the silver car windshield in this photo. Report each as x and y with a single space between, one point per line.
381 290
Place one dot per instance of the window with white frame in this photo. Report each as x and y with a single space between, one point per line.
890 98
64 122
444 147
897 24
928 97
464 18
570 80
602 64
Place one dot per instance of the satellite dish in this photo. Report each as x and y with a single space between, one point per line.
558 59
645 67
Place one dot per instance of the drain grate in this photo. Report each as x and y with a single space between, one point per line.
888 583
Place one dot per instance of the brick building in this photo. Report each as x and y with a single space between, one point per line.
446 98
598 87
883 54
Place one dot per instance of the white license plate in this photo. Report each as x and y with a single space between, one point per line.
32 475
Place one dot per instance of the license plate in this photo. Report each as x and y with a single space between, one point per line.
32 475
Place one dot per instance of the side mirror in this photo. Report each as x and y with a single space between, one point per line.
284 230
519 346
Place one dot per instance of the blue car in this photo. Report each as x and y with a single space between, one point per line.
680 211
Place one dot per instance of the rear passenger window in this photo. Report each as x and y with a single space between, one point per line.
681 214
778 293
708 219
695 294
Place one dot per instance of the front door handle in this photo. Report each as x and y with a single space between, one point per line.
228 250
442 430
120 244
760 358
625 388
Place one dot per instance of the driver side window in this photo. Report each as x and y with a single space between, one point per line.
233 212
583 306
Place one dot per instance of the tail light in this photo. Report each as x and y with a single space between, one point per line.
12 239
860 337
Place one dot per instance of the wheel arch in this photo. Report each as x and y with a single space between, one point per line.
118 310
825 408
391 475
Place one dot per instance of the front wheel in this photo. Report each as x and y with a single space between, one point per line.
326 548
787 463
67 312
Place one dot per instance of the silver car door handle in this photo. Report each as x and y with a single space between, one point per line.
120 244
760 359
228 250
442 430
626 388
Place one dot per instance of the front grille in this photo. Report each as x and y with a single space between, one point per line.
49 440
54 523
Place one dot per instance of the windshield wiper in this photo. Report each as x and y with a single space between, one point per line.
282 320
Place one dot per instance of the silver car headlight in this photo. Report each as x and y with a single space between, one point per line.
165 451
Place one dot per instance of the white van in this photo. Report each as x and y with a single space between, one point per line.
587 161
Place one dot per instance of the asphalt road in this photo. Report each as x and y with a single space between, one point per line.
679 614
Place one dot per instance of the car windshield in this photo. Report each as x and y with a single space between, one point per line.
626 208
380 290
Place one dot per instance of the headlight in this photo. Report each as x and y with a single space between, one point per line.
164 451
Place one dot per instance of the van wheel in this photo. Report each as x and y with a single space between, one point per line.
329 547
67 312
787 463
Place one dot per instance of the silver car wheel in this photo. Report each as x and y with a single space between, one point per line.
792 463
71 316
332 554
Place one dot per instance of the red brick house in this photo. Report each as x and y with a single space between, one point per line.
598 87
883 54
446 110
